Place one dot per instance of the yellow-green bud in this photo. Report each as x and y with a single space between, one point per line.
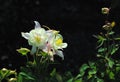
105 10
12 80
4 70
12 72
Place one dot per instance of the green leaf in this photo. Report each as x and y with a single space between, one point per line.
91 72
23 51
100 80
92 64
107 71
110 63
59 77
102 74
117 69
43 53
117 38
99 37
83 68
114 49
70 80
111 75
78 80
100 43
102 50
118 65
111 33
89 76
78 76
68 74
101 40
53 73
25 76
20 78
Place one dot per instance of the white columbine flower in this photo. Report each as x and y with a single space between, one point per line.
36 37
59 45
55 44
49 41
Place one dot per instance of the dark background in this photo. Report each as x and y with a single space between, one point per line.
77 21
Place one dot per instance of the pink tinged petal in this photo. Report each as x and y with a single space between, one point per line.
60 53
37 24
49 33
33 50
45 49
50 39
25 35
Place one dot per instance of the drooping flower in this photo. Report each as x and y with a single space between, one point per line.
36 37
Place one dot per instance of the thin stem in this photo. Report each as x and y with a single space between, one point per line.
108 41
27 58
34 59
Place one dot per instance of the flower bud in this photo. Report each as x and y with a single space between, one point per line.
113 24
109 26
12 72
106 27
4 69
105 10
98 55
12 80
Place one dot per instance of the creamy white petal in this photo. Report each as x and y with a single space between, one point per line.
60 53
37 24
64 45
59 36
25 35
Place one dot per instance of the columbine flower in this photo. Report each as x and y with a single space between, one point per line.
49 41
59 45
36 37
58 42
55 44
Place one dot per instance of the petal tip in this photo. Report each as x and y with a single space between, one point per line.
37 24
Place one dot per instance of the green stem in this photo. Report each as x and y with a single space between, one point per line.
108 42
0 80
27 58
34 59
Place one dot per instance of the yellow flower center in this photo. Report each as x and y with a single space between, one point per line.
37 39
59 41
